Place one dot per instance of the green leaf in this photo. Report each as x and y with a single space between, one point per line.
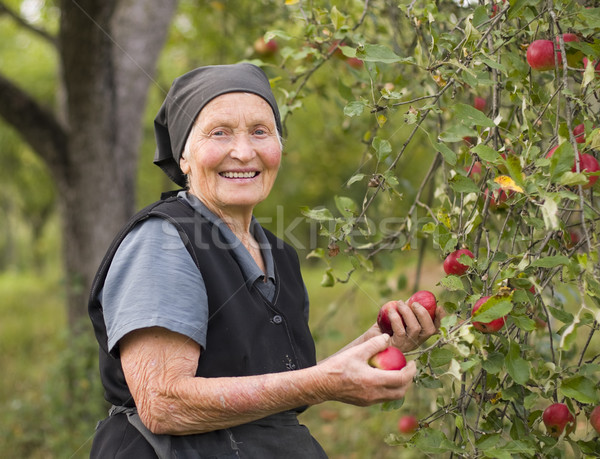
328 279
354 108
563 316
337 18
486 153
470 116
320 215
392 405
380 53
382 147
355 178
346 206
440 357
448 155
561 161
524 323
494 308
494 363
462 184
517 367
550 262
452 283
433 441
515 171
580 388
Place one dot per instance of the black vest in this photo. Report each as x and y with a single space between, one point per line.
247 334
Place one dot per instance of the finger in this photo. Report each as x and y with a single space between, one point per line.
374 345
427 325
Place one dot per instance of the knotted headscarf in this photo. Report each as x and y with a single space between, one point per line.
189 94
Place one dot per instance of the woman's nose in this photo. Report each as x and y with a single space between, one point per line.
242 148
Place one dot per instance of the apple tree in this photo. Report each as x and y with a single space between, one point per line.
508 149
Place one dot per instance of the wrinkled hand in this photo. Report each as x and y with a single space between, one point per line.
417 326
350 379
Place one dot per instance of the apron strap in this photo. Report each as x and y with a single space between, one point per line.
160 443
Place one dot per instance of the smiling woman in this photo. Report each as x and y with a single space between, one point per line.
201 315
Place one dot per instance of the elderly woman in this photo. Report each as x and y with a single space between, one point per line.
201 315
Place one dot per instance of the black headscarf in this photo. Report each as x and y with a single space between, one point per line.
187 97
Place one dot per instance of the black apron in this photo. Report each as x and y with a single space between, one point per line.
262 337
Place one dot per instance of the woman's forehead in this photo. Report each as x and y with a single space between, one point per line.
230 106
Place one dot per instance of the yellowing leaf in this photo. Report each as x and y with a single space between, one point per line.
506 183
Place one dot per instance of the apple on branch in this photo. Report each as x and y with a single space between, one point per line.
453 266
408 424
595 418
486 327
556 417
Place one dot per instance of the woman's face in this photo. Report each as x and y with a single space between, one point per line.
234 153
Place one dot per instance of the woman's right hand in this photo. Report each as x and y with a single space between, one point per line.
348 377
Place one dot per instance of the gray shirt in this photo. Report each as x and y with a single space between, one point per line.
153 280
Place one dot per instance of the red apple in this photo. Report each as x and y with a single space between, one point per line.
579 133
354 62
498 198
479 103
588 163
556 417
426 299
475 173
540 55
574 56
595 418
391 358
453 266
487 327
495 9
408 424
265 48
383 318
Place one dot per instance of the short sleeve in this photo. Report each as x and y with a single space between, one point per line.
153 281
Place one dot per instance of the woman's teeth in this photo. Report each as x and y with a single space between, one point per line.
239 174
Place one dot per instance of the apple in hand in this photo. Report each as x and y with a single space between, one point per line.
408 424
383 318
556 417
453 266
426 299
391 358
595 418
486 327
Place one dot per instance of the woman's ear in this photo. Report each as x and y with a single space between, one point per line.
184 165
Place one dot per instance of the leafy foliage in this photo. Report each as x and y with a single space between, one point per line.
490 185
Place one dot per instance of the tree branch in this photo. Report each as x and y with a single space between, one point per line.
23 23
36 125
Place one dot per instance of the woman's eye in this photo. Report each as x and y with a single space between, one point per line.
260 131
218 133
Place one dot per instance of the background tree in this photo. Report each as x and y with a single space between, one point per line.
106 56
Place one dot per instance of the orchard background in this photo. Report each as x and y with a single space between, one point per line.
412 129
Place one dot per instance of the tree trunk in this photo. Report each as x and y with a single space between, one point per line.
109 51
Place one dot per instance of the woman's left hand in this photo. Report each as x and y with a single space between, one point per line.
412 325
